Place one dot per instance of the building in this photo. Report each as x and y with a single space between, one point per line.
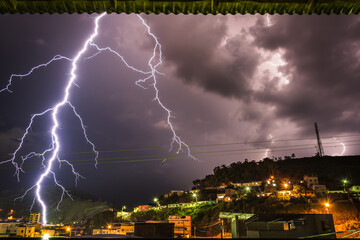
154 230
102 231
280 225
123 215
143 208
182 225
34 218
172 192
248 184
8 229
126 229
286 192
319 189
117 229
222 197
48 230
355 189
25 231
355 193
194 191
310 180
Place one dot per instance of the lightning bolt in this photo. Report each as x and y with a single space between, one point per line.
271 143
343 145
50 156
268 20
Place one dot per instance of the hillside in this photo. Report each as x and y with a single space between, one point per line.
330 170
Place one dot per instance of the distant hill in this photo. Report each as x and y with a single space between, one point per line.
82 206
330 170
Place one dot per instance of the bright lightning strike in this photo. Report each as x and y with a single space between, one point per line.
51 154
268 20
342 144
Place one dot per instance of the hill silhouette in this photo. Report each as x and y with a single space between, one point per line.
329 169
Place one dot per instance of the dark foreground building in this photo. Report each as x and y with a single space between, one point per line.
154 230
280 225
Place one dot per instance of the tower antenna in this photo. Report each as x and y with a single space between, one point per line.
320 147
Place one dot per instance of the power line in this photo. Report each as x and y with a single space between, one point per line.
181 157
211 145
215 144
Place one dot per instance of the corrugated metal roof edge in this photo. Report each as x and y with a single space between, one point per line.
214 14
189 7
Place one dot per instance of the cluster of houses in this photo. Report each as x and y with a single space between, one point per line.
283 187
34 229
176 226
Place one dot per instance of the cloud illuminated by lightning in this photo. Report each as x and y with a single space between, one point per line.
343 145
50 156
276 60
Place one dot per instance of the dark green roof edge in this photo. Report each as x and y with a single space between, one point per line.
185 7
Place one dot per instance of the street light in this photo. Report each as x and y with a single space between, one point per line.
247 189
327 206
68 229
195 196
157 201
345 181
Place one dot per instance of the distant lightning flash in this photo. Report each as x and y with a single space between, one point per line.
268 149
51 154
343 150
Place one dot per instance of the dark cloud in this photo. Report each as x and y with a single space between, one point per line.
204 57
322 57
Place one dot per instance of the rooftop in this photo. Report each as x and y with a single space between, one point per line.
183 6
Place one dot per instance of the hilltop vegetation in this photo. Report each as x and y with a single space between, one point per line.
330 170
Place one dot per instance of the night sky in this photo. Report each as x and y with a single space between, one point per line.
228 79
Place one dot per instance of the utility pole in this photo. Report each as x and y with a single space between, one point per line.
320 147
222 228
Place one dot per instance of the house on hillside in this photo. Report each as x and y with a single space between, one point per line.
172 192
319 189
222 197
182 225
311 179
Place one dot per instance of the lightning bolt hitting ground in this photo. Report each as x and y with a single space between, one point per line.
51 155
343 145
